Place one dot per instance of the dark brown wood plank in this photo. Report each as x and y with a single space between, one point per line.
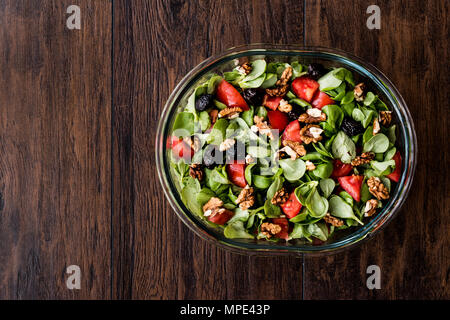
155 44
412 49
54 149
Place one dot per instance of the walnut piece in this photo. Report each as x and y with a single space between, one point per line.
282 84
310 166
262 127
246 198
230 112
371 207
333 220
280 197
196 171
212 205
245 68
312 116
193 142
270 229
284 106
377 188
298 148
385 117
376 126
311 133
358 92
226 144
364 158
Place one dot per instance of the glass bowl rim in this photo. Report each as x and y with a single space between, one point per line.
406 125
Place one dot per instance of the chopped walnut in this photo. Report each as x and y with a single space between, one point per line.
249 159
284 106
245 68
296 146
376 126
280 197
371 207
333 220
312 115
364 158
311 133
282 84
262 127
358 92
193 142
310 166
385 117
270 229
196 171
377 188
226 144
230 112
212 205
246 198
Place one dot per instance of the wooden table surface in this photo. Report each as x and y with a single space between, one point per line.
78 116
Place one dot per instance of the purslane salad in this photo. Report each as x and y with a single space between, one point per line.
284 151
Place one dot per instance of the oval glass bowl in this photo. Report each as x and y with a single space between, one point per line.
377 81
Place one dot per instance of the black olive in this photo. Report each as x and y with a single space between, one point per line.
204 102
253 96
351 127
237 152
316 70
212 156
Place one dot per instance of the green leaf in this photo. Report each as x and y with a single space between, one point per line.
258 151
390 154
365 193
247 115
332 79
239 215
323 170
255 83
379 143
299 231
236 230
192 186
327 186
341 209
204 120
218 132
316 204
248 173
270 210
343 148
270 80
318 230
369 99
213 83
262 182
335 115
204 195
258 68
348 98
382 166
184 124
219 104
293 170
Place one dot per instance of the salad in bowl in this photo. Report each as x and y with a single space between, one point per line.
285 151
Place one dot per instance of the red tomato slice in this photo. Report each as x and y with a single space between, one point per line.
236 174
305 88
340 169
278 120
221 217
292 206
228 95
395 176
320 100
172 141
182 150
292 132
271 102
284 224
352 184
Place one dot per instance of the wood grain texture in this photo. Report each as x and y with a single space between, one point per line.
155 44
55 195
411 48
